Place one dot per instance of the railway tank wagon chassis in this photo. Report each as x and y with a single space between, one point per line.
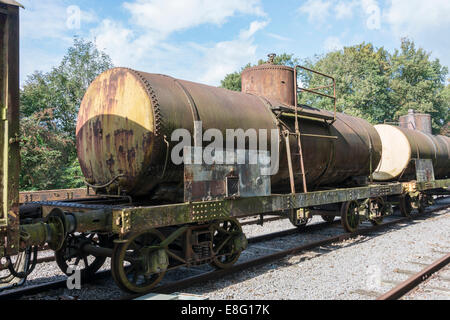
146 242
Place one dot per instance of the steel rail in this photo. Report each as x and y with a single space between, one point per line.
20 292
411 283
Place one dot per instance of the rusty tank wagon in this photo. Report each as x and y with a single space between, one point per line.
150 215
127 117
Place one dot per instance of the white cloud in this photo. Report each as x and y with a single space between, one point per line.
418 17
278 37
317 10
320 11
47 19
332 44
167 16
368 4
255 26
45 33
118 41
228 56
144 43
344 9
425 22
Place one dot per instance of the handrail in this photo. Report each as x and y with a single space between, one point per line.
297 125
314 90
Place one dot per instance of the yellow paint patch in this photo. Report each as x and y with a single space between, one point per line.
117 92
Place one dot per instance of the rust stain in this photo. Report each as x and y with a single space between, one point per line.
270 81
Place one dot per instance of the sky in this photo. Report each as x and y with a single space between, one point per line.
203 40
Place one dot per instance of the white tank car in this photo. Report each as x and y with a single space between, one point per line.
401 145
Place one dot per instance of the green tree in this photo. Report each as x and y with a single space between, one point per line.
43 152
232 81
362 82
418 83
49 108
373 83
445 130
63 88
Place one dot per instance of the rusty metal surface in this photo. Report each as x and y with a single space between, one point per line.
204 182
416 121
424 170
271 81
332 161
54 195
437 184
3 122
125 219
9 131
127 116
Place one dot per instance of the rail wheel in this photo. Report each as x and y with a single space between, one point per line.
405 205
377 210
228 243
139 263
350 216
71 254
328 219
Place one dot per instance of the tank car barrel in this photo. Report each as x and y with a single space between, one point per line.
127 119
401 146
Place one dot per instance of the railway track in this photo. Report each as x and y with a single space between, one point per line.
39 288
245 222
213 275
415 280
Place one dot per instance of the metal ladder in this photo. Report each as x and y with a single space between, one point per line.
297 133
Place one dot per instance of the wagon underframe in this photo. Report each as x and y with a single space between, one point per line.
125 219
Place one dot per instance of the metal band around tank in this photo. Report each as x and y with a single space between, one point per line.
155 103
433 144
268 67
193 107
